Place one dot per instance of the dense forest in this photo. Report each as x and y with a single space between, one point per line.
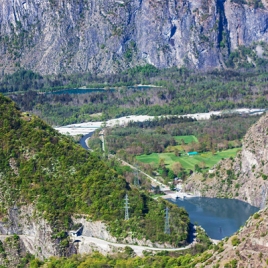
39 165
174 91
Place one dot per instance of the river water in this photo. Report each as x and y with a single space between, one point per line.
94 90
219 217
84 138
77 91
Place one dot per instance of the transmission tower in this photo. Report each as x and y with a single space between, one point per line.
126 208
167 228
136 176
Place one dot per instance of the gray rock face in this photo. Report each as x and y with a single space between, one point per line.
35 233
52 36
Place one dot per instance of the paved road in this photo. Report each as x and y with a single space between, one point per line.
102 244
105 245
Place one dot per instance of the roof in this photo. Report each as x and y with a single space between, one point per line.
192 153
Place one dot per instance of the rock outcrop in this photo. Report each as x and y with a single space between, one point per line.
55 36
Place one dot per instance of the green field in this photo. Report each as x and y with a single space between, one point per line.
187 139
188 162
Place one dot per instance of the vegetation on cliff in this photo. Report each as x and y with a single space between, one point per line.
40 166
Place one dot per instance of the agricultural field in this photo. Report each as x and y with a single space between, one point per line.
188 162
181 142
187 139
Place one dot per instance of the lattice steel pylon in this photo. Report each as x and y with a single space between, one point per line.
126 207
136 176
167 228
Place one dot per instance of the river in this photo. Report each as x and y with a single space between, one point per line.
219 217
83 140
79 91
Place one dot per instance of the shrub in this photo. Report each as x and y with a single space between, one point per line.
235 241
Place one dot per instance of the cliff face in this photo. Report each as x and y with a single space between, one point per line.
244 177
34 232
53 36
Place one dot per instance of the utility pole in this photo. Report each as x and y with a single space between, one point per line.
126 208
167 228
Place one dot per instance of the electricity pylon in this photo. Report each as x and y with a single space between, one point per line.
126 208
167 228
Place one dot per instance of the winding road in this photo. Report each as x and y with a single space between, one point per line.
106 245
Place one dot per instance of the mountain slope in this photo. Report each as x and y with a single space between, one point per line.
53 36
50 185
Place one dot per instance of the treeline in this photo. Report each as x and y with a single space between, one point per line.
161 122
24 80
136 142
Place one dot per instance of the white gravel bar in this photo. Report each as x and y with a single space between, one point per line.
87 127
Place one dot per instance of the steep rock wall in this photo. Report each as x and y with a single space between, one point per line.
54 36
35 233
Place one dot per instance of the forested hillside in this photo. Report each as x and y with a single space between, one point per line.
41 168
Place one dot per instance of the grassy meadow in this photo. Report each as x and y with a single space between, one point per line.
187 139
188 162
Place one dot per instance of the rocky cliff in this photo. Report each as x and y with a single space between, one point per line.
244 177
54 36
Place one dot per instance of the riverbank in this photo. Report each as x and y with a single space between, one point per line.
84 128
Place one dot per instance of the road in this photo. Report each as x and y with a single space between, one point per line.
103 245
106 246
